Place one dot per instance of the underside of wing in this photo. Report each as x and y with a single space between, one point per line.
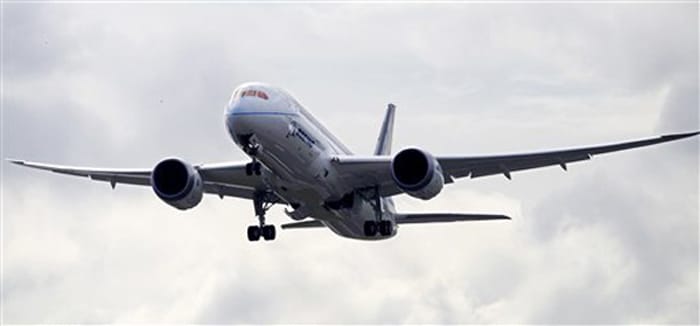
367 172
480 166
370 171
225 179
114 176
230 179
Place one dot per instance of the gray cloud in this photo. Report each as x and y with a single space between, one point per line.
613 240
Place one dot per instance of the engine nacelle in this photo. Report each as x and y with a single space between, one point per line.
417 173
177 183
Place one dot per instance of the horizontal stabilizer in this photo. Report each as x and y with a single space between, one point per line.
303 225
446 217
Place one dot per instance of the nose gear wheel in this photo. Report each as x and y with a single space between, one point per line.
253 168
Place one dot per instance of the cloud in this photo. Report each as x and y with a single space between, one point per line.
613 240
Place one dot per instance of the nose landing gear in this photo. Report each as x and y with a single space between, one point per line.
262 202
251 147
253 168
249 144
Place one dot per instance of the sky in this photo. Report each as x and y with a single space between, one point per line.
612 240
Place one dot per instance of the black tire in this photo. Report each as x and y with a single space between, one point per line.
268 232
370 228
385 228
257 168
249 169
253 233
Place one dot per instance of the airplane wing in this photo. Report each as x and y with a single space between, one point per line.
367 172
226 179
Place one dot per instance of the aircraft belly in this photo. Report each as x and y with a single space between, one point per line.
349 223
298 171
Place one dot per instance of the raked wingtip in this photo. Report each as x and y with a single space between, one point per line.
14 161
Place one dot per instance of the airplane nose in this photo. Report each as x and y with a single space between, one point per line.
237 120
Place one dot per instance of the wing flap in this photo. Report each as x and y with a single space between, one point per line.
121 178
369 171
365 172
479 166
498 166
229 174
224 190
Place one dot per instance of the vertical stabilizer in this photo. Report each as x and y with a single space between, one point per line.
385 134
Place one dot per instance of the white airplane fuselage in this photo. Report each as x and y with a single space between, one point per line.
295 151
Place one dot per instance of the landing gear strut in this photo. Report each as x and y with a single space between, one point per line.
262 202
384 227
250 147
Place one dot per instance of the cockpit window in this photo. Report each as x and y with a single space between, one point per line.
252 92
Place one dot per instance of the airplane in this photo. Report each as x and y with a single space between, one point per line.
295 161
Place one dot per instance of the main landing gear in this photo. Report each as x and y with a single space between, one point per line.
262 203
266 231
383 227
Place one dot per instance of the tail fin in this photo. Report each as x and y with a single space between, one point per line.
385 134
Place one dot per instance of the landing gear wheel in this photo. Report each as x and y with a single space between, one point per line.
253 168
370 228
256 168
254 233
385 228
268 232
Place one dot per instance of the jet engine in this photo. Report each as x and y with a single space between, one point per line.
177 183
417 173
